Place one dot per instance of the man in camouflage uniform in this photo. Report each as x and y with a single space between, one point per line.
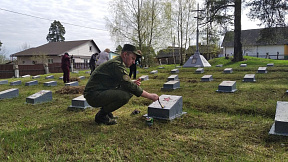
110 87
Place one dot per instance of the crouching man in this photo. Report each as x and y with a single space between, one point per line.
110 87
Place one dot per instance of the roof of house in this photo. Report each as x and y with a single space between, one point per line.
169 52
53 48
258 37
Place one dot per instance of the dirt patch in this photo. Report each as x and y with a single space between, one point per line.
74 79
71 90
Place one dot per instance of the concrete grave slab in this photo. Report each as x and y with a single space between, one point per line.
36 76
199 71
178 66
87 72
76 72
207 78
3 82
270 64
287 91
171 85
243 65
144 77
25 76
173 78
51 83
31 83
49 77
280 126
220 65
228 70
172 107
9 93
40 97
227 86
161 68
61 77
146 67
17 82
154 72
81 77
249 78
262 70
72 84
174 71
79 103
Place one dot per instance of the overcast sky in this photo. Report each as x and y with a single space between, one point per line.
19 25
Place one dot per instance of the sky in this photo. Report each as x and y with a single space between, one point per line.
27 22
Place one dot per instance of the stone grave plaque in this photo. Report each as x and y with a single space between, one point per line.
79 103
51 83
87 72
81 77
35 77
17 82
3 82
49 77
227 86
220 65
262 70
72 84
25 76
171 85
76 72
61 77
199 71
178 66
144 77
270 64
40 97
137 72
228 70
9 93
172 107
287 91
31 83
249 78
174 71
280 126
243 65
173 77
146 67
160 67
154 72
207 78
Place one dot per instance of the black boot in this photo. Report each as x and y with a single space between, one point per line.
102 118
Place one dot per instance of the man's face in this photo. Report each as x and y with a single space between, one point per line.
129 58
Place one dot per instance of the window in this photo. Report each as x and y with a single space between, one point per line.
34 62
50 61
90 48
23 62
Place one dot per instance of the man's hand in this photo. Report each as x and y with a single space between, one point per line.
137 82
151 96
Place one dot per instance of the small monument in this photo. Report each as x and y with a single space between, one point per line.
270 64
3 82
49 77
81 77
40 97
36 76
220 65
199 71
144 77
51 83
280 126
243 65
227 86
154 72
17 82
173 78
9 93
174 71
31 83
228 70
171 85
207 78
72 84
79 103
25 76
262 70
161 67
249 78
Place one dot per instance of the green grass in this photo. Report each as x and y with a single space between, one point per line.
217 126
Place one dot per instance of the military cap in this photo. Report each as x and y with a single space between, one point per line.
129 47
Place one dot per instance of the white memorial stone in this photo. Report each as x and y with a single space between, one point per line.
228 70
262 70
25 76
81 77
72 84
49 77
171 85
249 78
173 78
40 97
280 126
50 83
144 77
35 77
220 65
243 65
207 78
79 103
154 72
31 83
9 93
174 71
3 82
270 64
17 82
227 86
199 71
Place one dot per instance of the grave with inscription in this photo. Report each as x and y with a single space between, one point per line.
79 103
81 77
40 97
227 86
228 70
35 77
249 78
243 65
168 107
173 77
280 126
49 77
262 70
154 72
17 82
207 78
171 85
174 71
144 77
51 83
31 83
9 93
199 71
72 84
3 82
270 64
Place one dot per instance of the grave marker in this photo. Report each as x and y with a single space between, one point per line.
35 77
280 126
207 78
87 72
160 67
173 78
270 64
228 70
220 65
171 85
227 86
17 82
178 66
144 77
175 71
262 70
172 107
40 97
79 103
72 83
199 71
31 83
243 65
25 76
49 77
3 82
154 72
146 67
9 93
81 77
51 83
249 78
61 77
76 72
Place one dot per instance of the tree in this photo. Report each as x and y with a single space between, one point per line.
56 32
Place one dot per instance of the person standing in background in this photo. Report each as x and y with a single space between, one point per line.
92 62
103 57
133 68
65 65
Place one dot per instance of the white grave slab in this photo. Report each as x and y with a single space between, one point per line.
280 126
76 72
199 71
17 82
228 70
40 97
173 78
25 76
49 77
51 83
160 67
249 78
270 64
171 110
154 72
243 65
81 77
207 78
178 66
79 103
31 83
35 77
9 93
61 77
144 77
227 86
174 71
146 67
171 85
220 65
87 72
3 82
262 70
72 84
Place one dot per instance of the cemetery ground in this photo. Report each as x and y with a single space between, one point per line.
217 127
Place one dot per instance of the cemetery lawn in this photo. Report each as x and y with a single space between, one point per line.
217 126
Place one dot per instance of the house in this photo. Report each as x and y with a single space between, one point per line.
168 55
51 52
265 43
